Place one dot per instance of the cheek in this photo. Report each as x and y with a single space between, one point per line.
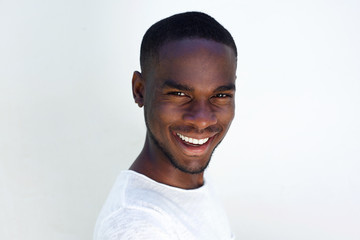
162 114
226 116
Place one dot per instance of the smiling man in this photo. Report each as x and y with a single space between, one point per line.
187 88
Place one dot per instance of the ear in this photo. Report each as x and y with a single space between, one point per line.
138 88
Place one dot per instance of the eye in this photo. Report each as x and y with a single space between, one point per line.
180 94
222 99
222 95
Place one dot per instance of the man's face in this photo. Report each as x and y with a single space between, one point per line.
189 101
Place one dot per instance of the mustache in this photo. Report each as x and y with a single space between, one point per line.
188 129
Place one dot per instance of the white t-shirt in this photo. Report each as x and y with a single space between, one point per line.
141 208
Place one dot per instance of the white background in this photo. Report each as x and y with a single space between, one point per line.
289 168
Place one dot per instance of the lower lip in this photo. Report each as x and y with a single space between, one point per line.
192 149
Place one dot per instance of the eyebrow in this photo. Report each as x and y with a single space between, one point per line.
230 87
172 84
183 87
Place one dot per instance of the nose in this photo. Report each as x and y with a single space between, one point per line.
200 115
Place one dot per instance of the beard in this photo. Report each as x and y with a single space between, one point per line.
174 162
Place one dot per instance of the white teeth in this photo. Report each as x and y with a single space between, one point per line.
193 140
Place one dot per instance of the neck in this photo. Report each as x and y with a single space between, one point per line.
154 164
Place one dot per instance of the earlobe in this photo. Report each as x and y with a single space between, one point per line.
138 87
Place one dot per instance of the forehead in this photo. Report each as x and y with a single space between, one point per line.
192 47
195 61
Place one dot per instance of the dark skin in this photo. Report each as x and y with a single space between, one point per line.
188 95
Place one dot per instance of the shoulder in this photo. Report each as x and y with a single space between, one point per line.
134 223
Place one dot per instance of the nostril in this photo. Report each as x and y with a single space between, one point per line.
200 119
200 114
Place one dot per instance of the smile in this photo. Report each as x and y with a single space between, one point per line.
194 141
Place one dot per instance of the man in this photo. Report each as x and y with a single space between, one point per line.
187 87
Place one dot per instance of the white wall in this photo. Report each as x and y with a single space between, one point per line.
289 168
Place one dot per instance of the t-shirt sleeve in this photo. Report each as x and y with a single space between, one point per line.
134 224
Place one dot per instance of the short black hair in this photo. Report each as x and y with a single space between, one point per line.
181 26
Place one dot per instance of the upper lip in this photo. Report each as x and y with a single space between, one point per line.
193 140
195 137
